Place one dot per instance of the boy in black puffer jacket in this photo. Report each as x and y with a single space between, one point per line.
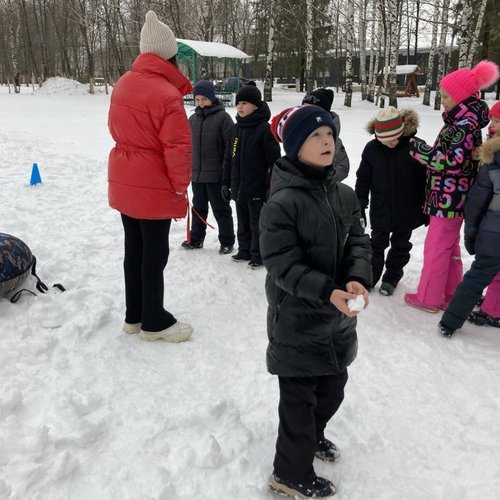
317 257
394 184
249 158
210 131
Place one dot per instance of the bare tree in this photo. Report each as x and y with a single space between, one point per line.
430 62
268 82
348 53
464 36
442 52
309 50
477 31
362 48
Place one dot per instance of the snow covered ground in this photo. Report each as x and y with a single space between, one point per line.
87 412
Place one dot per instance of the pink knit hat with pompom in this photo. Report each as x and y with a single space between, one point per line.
463 83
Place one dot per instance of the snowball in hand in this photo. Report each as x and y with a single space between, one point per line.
356 304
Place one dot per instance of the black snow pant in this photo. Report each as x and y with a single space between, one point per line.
306 405
397 256
203 194
467 294
248 213
146 255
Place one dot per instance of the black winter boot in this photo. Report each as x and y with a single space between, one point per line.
480 318
326 451
192 245
445 331
319 488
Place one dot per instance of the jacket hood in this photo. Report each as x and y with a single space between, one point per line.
489 149
336 121
151 63
410 123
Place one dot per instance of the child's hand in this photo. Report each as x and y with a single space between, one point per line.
358 289
339 299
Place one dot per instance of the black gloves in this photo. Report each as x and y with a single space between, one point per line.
470 243
225 193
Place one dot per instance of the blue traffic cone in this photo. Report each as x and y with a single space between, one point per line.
35 175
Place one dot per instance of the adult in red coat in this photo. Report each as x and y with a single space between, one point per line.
149 171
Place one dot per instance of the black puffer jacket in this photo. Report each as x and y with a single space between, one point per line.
482 208
340 159
210 131
250 156
392 181
311 242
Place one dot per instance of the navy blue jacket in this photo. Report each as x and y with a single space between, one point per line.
210 131
482 208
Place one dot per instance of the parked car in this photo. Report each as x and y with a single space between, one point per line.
231 84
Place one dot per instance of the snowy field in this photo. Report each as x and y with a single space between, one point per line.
90 413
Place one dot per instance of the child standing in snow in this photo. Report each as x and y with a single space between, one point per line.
324 99
482 239
210 131
451 169
395 185
249 157
317 257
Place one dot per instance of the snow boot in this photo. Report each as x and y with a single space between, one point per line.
131 328
178 332
412 300
319 488
480 318
326 451
241 257
225 249
445 331
192 245
255 263
386 289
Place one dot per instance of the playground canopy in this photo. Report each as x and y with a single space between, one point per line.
199 56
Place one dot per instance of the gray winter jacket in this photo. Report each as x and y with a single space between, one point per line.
340 159
210 131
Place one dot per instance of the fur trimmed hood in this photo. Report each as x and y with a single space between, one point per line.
410 122
488 150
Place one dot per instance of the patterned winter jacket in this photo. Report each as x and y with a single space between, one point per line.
451 167
482 210
311 242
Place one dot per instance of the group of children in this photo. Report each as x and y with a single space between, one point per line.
307 229
299 220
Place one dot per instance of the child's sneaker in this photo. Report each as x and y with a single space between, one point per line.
386 289
326 451
480 318
131 328
319 488
225 249
178 332
240 257
445 331
192 245
255 263
412 300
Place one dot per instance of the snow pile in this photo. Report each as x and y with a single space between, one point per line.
65 86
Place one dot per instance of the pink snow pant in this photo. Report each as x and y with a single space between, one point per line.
442 270
491 302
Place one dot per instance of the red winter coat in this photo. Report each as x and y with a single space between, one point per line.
149 168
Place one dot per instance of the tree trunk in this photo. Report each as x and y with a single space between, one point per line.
268 82
442 53
348 53
430 62
465 34
394 51
362 49
477 31
309 77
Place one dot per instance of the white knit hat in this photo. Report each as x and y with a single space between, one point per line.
157 38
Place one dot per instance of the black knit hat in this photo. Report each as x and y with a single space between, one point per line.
320 97
206 89
249 93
